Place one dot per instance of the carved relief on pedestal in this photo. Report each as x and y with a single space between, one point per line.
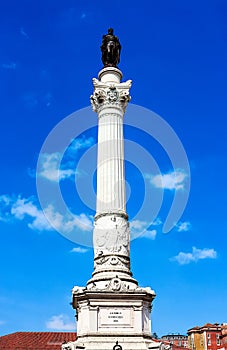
112 262
116 285
110 94
111 235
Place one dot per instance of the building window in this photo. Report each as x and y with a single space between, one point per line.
208 335
209 342
201 339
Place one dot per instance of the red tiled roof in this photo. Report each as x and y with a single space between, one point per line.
35 340
194 328
210 325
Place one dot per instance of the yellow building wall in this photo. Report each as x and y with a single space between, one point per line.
196 341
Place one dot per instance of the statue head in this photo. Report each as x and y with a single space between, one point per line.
110 31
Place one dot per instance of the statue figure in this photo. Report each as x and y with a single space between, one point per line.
111 49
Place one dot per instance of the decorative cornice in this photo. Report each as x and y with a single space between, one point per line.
113 262
120 214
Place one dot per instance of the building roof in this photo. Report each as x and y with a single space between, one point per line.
196 328
207 326
173 335
210 325
35 340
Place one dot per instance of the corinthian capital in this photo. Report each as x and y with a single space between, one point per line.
110 95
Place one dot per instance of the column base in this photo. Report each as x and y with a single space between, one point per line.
107 317
111 342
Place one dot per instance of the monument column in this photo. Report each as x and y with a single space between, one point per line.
112 311
111 229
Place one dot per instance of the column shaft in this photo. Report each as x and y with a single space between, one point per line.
110 169
111 235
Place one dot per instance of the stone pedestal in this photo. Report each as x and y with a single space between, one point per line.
112 311
115 314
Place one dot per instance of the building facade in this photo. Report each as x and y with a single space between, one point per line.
223 336
176 340
207 337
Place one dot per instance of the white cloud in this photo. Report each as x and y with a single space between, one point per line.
84 222
138 225
5 202
183 226
60 323
31 172
25 208
81 143
19 208
139 228
170 181
56 166
5 199
79 250
66 223
11 65
196 255
151 234
51 168
5 207
157 222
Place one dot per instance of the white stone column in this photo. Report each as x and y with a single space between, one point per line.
111 229
110 170
112 308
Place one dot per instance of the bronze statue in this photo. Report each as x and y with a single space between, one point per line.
111 49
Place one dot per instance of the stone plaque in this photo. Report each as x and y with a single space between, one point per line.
115 317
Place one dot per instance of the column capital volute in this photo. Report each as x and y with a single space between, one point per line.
110 94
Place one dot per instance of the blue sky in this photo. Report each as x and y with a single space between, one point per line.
175 53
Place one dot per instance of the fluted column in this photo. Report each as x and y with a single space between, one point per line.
110 171
111 229
112 310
